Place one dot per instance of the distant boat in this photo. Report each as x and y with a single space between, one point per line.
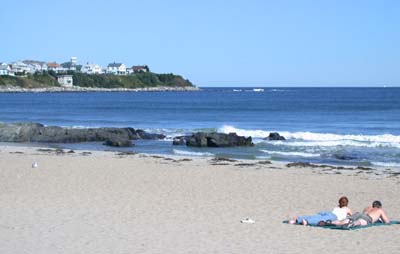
258 90
237 90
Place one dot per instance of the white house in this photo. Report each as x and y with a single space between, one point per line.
92 69
5 69
20 67
74 60
116 68
65 80
140 68
36 66
53 66
129 71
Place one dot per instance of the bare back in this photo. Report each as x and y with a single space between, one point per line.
376 213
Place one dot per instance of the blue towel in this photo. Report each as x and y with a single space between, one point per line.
356 227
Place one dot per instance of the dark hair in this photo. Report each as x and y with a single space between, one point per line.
377 204
345 199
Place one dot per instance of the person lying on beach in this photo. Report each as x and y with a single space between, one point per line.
337 214
370 214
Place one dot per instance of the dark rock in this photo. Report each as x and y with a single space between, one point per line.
364 168
301 165
264 162
275 136
145 135
19 132
218 159
126 153
214 139
118 142
35 132
198 139
344 157
245 164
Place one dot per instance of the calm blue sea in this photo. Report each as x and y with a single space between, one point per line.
357 126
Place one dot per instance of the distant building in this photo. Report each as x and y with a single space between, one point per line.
74 60
36 66
53 66
140 68
20 68
71 65
116 68
5 69
65 80
129 71
91 69
68 66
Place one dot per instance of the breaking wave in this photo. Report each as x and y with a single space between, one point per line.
320 139
301 154
181 152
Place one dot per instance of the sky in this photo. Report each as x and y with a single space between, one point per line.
215 43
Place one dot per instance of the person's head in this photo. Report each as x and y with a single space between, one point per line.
377 204
343 201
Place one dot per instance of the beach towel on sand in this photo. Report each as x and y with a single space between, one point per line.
353 228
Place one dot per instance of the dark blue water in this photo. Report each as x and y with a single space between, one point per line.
358 126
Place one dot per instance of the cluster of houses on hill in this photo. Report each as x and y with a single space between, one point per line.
22 68
33 66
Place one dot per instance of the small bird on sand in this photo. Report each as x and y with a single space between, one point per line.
34 165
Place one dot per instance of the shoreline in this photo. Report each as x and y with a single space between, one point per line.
13 89
117 138
321 168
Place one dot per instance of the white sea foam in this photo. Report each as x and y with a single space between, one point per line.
386 164
335 143
77 127
301 154
181 152
321 139
241 132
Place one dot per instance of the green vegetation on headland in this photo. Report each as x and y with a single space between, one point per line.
30 81
138 80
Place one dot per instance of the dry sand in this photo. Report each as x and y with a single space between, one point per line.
108 203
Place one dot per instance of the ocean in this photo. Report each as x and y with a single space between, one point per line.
340 126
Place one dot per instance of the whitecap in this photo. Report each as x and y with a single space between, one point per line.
241 132
301 154
188 153
320 139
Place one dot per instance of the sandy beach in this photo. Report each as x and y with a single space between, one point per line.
105 202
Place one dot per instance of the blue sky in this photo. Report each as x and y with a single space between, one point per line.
216 43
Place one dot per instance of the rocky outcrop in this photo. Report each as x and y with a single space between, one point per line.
141 134
118 142
213 139
275 136
35 132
